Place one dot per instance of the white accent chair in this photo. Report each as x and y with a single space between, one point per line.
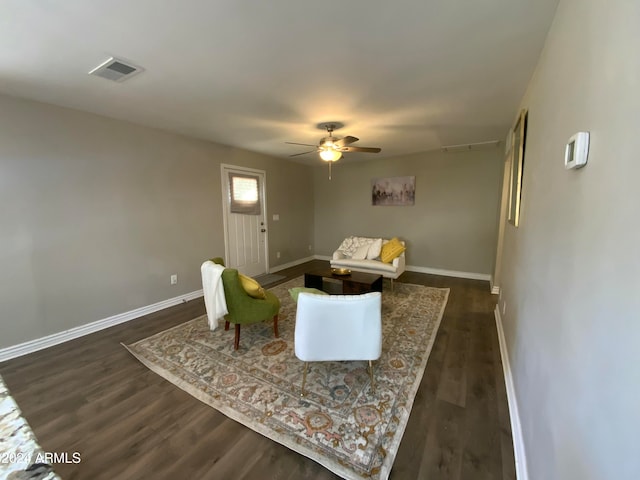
338 327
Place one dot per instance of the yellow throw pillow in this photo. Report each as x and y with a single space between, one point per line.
392 249
252 287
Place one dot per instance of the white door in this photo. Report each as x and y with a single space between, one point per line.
244 205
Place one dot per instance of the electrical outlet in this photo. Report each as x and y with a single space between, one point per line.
277 254
174 279
309 247
504 307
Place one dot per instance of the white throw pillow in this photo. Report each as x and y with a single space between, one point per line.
361 252
374 249
347 247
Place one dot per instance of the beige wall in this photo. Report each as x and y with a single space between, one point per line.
571 278
97 214
452 225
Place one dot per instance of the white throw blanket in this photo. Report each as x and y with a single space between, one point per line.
213 289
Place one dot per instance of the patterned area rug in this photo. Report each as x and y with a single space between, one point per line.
340 423
20 455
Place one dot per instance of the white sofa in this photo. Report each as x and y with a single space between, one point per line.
350 255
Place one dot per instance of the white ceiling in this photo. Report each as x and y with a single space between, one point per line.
406 76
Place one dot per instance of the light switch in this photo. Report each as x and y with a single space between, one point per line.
276 217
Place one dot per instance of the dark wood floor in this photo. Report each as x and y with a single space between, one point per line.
91 396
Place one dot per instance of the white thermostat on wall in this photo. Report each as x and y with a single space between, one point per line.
577 151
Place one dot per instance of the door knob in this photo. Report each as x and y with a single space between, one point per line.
263 230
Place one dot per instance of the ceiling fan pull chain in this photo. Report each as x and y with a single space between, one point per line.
330 170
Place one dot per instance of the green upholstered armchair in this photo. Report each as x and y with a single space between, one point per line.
242 307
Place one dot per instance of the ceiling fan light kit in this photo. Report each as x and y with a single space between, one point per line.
330 149
330 154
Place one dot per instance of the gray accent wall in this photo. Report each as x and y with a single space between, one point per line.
571 271
453 224
97 214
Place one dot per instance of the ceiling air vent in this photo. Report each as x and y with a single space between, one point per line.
116 69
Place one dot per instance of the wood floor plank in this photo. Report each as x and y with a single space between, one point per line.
453 382
442 455
91 395
482 450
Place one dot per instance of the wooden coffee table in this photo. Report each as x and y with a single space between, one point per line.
353 284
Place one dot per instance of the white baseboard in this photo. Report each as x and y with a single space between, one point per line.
290 264
433 271
516 428
66 335
495 289
449 273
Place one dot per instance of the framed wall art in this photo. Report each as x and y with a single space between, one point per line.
518 143
393 191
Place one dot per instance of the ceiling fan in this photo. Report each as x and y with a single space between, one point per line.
330 148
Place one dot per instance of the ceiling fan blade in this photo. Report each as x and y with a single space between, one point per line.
303 153
305 144
345 141
361 149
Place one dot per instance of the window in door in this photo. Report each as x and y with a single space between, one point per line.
244 193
